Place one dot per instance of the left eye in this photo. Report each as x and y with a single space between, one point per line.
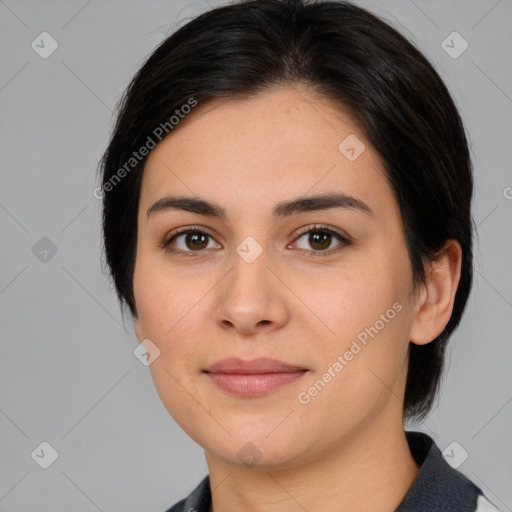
320 240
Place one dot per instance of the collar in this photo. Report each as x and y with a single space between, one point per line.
437 487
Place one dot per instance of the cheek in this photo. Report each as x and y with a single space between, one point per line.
360 324
168 304
171 306
342 302
368 375
162 297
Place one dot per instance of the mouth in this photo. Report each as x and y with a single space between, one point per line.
252 378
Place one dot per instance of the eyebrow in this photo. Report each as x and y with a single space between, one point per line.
283 209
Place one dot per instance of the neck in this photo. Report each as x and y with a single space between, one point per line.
371 469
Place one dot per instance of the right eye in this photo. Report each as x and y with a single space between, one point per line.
193 240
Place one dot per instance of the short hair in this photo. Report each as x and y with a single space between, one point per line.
348 55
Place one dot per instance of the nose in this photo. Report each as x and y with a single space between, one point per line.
252 299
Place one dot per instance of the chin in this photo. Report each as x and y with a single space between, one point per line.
257 452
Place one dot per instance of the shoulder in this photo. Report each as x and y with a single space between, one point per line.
439 486
484 505
197 501
181 506
177 507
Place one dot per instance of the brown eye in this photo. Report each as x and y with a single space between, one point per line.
196 240
319 240
188 241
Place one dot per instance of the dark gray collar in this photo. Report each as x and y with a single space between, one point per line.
437 486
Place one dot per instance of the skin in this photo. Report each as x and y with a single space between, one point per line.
345 449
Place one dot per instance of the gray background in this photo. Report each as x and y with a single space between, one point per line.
68 375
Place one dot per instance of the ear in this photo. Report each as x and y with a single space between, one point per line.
436 297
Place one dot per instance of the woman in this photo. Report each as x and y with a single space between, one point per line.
287 216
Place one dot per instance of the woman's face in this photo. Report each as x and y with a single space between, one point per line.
273 281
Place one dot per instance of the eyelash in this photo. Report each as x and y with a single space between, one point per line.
312 254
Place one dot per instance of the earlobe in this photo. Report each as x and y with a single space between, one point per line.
437 296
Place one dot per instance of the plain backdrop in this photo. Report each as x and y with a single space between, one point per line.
68 375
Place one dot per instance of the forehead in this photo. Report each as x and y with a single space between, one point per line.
282 143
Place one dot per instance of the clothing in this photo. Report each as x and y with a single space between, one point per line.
437 487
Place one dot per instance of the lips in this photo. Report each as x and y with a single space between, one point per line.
252 378
252 367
